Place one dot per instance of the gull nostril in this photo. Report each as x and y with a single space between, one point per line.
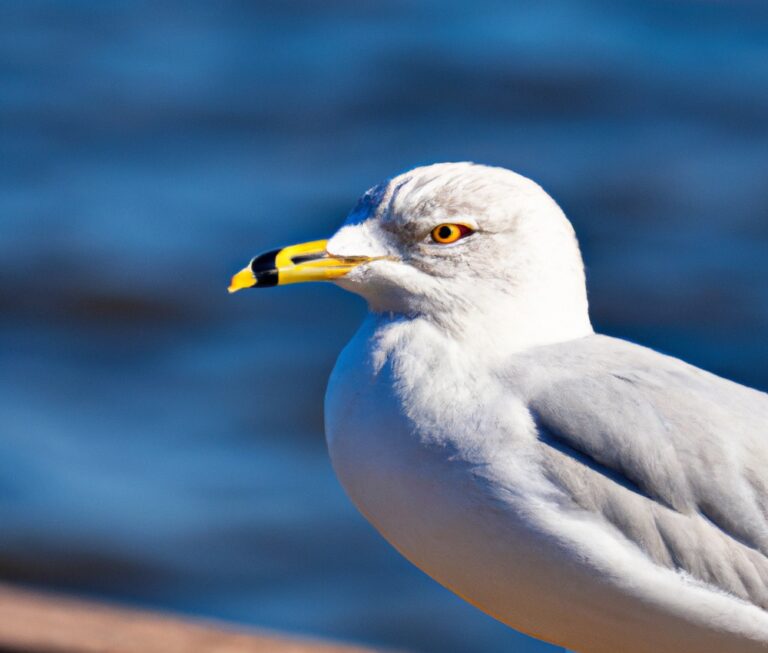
306 258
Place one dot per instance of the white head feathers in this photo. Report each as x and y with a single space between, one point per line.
518 279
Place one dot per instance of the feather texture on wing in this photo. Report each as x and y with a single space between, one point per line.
673 457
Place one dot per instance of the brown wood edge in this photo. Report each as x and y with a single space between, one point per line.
42 622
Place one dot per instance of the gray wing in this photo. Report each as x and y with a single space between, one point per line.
673 457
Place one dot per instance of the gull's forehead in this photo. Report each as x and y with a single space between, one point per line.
420 198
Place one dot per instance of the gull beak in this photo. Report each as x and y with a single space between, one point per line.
294 264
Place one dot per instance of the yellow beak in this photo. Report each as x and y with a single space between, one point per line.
294 264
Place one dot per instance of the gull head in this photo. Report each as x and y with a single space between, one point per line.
451 243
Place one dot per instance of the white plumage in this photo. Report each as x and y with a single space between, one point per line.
582 489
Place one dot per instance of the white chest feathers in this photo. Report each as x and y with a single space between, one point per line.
413 449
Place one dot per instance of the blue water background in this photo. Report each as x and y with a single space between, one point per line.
161 442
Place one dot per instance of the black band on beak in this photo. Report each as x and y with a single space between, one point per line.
264 268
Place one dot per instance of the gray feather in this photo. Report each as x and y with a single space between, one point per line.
673 457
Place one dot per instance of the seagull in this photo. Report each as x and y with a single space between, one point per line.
582 489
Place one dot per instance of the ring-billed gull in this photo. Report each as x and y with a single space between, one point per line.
582 489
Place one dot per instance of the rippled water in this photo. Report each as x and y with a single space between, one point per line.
161 442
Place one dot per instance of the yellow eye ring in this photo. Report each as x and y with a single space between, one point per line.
445 234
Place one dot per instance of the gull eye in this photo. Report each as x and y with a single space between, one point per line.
445 234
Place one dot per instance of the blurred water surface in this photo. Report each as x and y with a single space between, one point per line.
162 442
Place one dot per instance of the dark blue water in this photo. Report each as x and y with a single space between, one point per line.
161 442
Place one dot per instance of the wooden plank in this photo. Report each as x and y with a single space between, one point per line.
37 622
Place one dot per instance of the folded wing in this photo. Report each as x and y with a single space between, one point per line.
674 458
